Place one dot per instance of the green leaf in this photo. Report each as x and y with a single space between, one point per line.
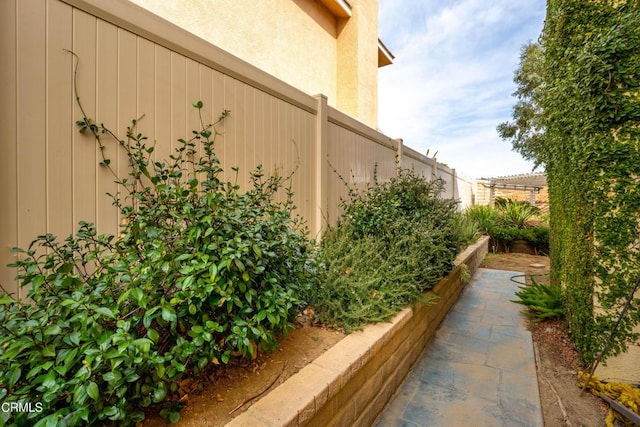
92 391
6 300
144 344
159 393
48 421
80 395
239 264
160 369
153 335
169 314
137 294
15 348
49 379
52 330
73 338
104 311
49 351
174 417
14 376
257 251
69 356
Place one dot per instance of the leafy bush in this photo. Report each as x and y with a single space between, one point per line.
395 240
201 273
537 237
512 213
485 216
543 301
509 221
467 230
364 281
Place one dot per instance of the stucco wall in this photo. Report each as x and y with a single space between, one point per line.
298 41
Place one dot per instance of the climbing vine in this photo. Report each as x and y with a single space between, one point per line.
591 104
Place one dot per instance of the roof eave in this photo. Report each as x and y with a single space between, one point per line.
339 8
385 57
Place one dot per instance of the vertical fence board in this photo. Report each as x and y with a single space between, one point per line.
126 102
146 91
192 95
225 148
85 151
241 161
107 113
9 142
31 121
59 119
178 99
162 123
206 96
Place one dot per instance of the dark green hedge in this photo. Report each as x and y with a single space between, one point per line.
537 237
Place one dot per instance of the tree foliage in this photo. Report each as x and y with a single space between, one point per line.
526 130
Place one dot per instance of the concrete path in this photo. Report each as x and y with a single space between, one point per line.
479 370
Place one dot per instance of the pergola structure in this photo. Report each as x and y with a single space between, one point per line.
532 183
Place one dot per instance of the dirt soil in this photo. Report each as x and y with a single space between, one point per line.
229 391
563 403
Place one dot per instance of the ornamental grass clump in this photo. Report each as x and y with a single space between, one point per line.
395 240
543 301
201 272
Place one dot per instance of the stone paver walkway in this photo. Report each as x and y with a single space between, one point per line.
480 368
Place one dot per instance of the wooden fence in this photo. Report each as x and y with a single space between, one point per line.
133 63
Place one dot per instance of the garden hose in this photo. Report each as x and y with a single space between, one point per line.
623 393
512 278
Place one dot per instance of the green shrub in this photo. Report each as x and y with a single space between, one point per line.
394 241
513 213
466 229
363 281
543 301
537 237
485 216
201 272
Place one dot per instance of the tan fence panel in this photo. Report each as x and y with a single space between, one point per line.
52 178
355 154
136 65
466 191
419 163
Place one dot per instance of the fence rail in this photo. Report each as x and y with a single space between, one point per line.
133 63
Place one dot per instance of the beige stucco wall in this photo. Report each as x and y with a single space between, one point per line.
298 41
622 368
358 63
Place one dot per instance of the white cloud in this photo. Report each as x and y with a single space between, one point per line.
451 83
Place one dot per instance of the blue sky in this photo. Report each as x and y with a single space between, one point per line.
452 79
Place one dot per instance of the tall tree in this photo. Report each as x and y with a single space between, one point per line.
526 131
